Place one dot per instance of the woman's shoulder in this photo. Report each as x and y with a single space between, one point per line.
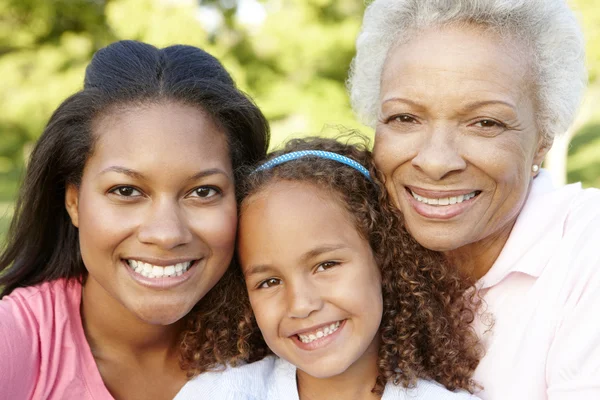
424 390
40 304
585 209
35 323
243 382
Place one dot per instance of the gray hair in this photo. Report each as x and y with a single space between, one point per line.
548 28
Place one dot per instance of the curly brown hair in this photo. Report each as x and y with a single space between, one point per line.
428 306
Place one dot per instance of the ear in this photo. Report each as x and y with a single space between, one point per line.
72 203
544 146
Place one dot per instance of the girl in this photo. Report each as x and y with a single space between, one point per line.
350 304
126 219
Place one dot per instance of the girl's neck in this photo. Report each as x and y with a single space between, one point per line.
355 383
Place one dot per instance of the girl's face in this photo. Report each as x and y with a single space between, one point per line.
313 282
156 211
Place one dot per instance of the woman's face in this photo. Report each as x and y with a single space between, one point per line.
456 136
313 282
156 210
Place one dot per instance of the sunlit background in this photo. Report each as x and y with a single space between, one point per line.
292 56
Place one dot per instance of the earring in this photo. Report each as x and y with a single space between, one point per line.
535 168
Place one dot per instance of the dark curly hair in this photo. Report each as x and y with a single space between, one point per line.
428 306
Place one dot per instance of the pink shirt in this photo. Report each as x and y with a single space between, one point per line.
43 350
544 294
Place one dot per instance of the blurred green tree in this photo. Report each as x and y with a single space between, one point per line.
293 59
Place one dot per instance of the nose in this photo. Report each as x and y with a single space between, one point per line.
164 226
439 153
303 299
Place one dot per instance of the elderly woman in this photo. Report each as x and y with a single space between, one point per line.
466 97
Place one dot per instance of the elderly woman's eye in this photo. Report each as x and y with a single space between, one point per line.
489 123
405 118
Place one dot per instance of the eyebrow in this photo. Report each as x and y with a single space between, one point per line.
402 100
261 268
138 175
478 104
469 107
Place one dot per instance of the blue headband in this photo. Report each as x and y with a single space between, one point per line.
316 153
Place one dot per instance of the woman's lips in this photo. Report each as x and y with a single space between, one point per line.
164 282
441 205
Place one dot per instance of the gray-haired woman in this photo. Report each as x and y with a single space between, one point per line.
466 97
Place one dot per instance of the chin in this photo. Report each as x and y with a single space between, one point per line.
162 314
324 371
436 241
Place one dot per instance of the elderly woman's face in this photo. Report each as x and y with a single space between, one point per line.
456 136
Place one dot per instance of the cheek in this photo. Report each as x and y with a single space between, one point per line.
362 294
101 227
265 314
216 227
392 149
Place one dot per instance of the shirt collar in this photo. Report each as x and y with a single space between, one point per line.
536 233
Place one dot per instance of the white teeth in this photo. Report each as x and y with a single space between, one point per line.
155 271
319 333
444 201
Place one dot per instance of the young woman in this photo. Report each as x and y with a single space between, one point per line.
349 304
126 220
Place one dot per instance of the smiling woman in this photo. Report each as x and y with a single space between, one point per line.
466 97
126 220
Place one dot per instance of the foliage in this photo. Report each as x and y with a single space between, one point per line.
293 63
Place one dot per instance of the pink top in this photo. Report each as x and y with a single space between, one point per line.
43 350
544 294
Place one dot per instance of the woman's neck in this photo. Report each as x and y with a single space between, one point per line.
476 259
111 329
135 359
355 383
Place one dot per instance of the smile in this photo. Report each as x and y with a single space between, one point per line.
156 271
308 337
444 201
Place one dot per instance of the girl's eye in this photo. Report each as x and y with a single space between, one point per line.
270 283
326 265
126 191
206 192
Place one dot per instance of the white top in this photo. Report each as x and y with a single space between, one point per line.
544 294
273 378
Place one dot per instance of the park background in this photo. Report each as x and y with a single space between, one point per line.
291 56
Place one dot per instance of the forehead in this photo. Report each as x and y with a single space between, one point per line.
466 57
166 134
292 217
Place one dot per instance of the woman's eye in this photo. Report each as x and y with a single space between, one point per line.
270 283
488 123
126 191
326 265
404 118
206 192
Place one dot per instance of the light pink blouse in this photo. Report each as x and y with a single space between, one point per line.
544 294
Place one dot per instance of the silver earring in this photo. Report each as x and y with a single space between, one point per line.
535 168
